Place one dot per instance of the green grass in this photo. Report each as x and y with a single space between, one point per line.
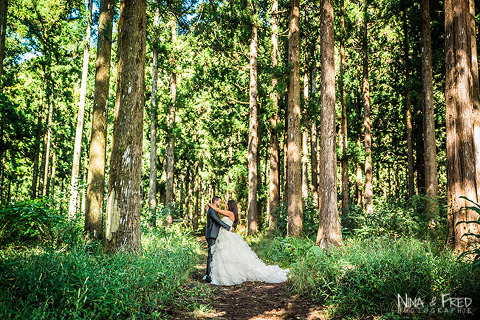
364 277
76 284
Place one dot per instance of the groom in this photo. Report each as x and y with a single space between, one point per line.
213 226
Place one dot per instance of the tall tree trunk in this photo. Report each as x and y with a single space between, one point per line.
181 185
54 174
408 107
84 178
152 190
294 165
96 170
72 208
429 147
366 117
186 213
305 137
36 156
124 201
359 174
343 122
47 139
329 231
305 140
196 191
274 183
285 155
314 139
170 149
305 164
475 93
3 32
459 121
253 137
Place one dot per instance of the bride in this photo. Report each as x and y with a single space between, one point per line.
234 261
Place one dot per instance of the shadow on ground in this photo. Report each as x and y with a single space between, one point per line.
250 300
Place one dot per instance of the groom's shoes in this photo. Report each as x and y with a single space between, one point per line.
207 279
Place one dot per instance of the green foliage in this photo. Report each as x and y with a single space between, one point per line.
310 219
282 251
365 276
396 218
476 250
28 222
78 284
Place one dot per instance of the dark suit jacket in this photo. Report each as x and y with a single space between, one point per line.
213 224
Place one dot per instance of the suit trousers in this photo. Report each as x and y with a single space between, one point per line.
211 242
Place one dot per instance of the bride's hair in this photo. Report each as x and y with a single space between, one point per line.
232 206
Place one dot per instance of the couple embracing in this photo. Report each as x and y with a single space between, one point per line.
230 260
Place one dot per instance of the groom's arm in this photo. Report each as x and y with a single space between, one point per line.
217 220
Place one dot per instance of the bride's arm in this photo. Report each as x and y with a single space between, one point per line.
227 213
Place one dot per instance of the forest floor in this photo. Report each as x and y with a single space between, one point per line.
249 300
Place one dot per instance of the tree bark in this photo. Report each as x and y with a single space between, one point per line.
53 176
359 173
186 213
475 93
36 159
366 117
343 122
314 139
459 121
304 164
274 161
124 198
408 107
294 166
170 149
252 156
429 147
305 140
96 169
196 191
72 208
47 139
152 190
3 32
329 232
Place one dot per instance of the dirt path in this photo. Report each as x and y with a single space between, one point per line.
250 300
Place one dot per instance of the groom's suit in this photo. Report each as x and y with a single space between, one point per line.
213 227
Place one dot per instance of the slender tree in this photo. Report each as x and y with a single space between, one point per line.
329 232
343 121
294 142
170 149
459 121
98 144
274 182
72 208
314 139
38 137
3 32
124 197
305 140
430 153
408 107
366 116
47 137
152 190
196 192
252 156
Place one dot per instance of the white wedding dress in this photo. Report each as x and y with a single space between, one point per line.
234 262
